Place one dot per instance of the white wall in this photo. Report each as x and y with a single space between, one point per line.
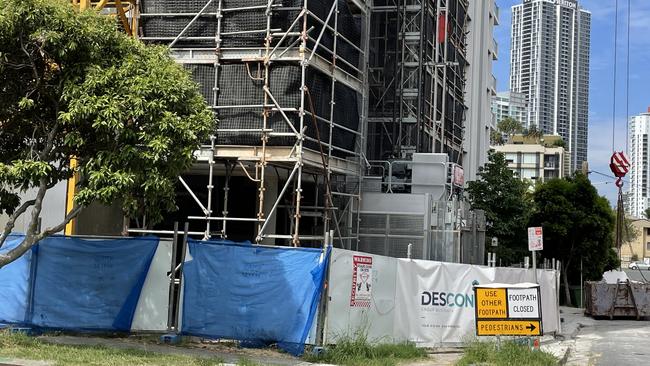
52 213
397 311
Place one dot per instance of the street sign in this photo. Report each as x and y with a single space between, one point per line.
535 239
508 310
508 327
495 241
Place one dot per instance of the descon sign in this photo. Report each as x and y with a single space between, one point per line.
450 299
509 310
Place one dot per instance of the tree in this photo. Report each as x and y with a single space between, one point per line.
72 86
509 126
504 198
577 224
496 137
646 213
534 133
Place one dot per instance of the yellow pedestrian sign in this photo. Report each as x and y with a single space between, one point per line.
508 310
508 327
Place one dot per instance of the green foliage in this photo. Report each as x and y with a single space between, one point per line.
72 85
496 138
358 351
509 126
630 233
507 205
509 353
646 213
577 222
559 143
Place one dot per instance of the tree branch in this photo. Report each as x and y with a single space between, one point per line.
12 220
52 230
31 240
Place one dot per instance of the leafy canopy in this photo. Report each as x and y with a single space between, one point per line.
72 85
577 223
504 198
509 126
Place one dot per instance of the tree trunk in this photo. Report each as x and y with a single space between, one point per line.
567 293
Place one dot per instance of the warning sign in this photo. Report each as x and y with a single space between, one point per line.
535 239
508 327
492 303
509 310
361 281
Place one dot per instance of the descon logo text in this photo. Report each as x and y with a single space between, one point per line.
449 299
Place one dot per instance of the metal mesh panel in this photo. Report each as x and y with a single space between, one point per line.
372 245
406 224
204 76
373 223
398 247
247 21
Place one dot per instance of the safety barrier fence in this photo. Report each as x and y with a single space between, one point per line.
258 294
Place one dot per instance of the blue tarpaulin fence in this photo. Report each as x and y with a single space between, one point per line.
252 293
75 283
239 291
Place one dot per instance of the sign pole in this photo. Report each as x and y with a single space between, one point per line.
534 253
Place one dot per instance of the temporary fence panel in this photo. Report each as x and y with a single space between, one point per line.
435 300
14 284
252 293
370 310
430 303
89 284
151 312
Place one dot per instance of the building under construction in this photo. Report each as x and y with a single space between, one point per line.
311 98
417 69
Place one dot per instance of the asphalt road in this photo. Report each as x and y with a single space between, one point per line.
612 342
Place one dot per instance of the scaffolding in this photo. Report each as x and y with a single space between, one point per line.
286 80
417 68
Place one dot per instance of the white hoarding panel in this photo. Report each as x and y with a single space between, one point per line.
151 312
436 300
430 303
345 315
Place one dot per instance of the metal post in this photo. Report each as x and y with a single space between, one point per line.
171 303
582 286
534 253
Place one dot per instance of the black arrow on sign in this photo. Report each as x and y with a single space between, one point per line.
531 327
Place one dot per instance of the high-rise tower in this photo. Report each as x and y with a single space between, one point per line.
639 155
549 63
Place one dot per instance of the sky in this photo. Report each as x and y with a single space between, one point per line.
601 88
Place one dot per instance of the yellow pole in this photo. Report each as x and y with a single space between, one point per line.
69 203
84 5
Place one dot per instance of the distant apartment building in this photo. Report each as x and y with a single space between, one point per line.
510 104
481 85
536 160
638 155
549 63
638 249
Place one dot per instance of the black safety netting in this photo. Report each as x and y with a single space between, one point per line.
247 27
241 97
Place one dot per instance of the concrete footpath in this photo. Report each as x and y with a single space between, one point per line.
586 341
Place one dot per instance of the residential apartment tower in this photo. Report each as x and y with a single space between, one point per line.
549 63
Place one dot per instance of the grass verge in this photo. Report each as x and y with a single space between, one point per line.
357 351
17 345
510 353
